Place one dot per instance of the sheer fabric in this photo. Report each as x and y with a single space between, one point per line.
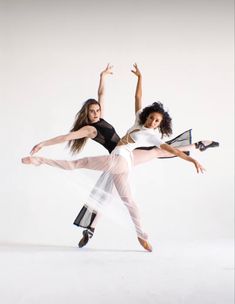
106 134
116 173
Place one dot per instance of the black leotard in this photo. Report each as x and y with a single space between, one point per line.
106 134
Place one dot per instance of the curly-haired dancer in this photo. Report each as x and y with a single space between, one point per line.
89 124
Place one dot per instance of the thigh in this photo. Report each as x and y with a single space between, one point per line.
121 182
143 156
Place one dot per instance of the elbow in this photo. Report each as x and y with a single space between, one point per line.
66 138
176 152
170 149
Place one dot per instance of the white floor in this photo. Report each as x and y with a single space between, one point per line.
193 273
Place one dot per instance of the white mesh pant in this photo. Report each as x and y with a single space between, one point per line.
102 163
116 172
118 175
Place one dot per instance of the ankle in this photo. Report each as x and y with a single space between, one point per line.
205 144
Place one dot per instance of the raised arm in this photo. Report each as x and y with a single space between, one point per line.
138 92
182 155
87 131
101 89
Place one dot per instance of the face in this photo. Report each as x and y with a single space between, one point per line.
154 120
94 113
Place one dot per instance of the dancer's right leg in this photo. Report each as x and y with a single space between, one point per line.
99 163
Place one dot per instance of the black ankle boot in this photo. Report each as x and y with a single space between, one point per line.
87 234
202 147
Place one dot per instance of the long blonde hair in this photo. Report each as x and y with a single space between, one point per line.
81 120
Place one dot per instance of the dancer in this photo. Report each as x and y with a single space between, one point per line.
119 164
89 131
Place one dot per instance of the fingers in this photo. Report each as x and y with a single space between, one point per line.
25 160
109 68
200 168
136 70
135 66
33 151
203 170
31 161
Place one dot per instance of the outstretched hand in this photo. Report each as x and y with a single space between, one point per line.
136 70
31 160
199 167
36 149
108 70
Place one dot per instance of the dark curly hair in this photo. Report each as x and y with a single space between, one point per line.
165 127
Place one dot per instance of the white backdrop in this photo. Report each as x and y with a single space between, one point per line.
51 55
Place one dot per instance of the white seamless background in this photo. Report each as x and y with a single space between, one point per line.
51 55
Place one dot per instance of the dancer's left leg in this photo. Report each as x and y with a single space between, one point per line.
124 191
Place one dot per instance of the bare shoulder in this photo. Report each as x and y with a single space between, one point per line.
88 131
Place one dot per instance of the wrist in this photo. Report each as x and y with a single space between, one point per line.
193 160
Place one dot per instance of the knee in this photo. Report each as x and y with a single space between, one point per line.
81 163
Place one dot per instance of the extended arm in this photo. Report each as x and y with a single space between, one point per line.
138 92
101 89
182 155
87 131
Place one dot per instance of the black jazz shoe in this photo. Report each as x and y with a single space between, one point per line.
87 234
202 145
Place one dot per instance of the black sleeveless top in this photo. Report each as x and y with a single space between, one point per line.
106 134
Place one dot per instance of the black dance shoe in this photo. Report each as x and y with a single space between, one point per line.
87 234
202 146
